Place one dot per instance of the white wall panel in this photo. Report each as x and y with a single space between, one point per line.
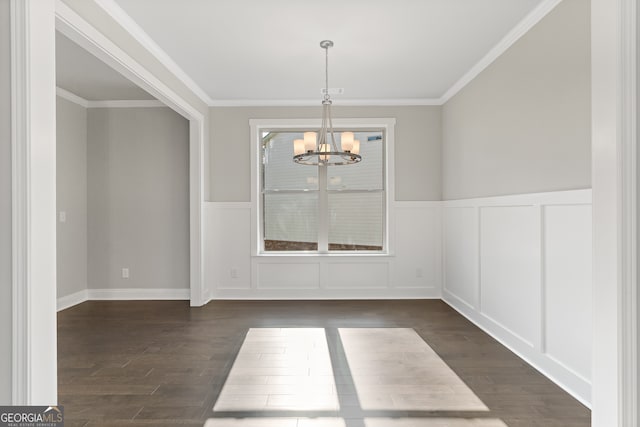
461 254
284 275
567 286
417 245
510 269
357 275
528 257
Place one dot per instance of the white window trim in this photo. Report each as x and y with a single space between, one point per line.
386 124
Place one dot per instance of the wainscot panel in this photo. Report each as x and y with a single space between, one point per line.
519 267
364 275
418 237
286 275
567 286
510 269
461 248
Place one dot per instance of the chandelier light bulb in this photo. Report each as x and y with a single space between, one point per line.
356 147
298 147
346 140
310 141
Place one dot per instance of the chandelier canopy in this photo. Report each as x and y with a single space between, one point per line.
321 148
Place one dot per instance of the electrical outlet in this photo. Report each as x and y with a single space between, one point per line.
125 273
62 216
234 273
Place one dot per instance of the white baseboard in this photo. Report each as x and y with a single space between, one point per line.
72 299
138 294
326 294
121 295
573 384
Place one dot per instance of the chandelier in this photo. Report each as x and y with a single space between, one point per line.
321 149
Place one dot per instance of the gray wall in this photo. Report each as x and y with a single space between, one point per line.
417 147
138 198
5 205
71 192
523 125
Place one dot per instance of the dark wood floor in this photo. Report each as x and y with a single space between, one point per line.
162 363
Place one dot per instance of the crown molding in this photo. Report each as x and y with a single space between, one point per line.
71 97
127 103
120 16
123 103
512 36
316 102
131 26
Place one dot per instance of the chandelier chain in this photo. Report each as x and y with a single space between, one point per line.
326 73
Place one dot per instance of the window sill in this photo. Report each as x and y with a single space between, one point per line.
327 255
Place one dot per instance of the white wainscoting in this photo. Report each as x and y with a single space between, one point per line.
520 268
413 270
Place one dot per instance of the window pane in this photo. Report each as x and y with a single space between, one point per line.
280 171
356 221
291 221
366 175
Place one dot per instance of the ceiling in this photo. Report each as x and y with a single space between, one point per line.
84 75
248 52
252 51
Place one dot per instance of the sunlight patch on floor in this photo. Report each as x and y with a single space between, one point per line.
394 369
433 422
275 422
382 374
281 369
368 422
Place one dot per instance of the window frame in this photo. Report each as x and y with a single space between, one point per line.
258 126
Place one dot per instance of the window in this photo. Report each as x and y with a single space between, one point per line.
319 209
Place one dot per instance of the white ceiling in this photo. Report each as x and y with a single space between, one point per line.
257 50
84 75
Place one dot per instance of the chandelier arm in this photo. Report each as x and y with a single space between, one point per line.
334 147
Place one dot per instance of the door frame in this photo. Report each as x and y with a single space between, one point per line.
72 25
